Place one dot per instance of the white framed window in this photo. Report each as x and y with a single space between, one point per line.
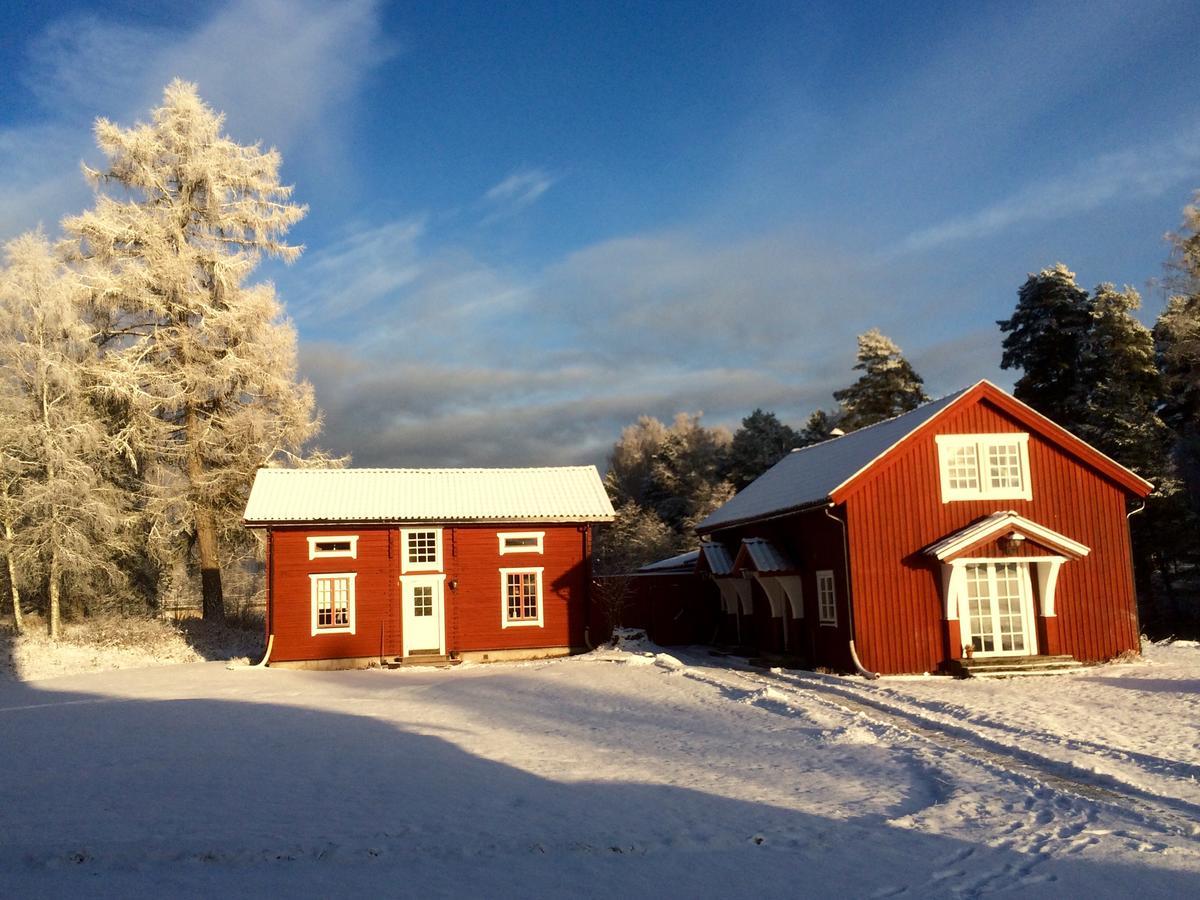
520 597
984 466
420 550
329 546
521 541
332 603
826 598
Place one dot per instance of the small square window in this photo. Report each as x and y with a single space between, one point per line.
421 550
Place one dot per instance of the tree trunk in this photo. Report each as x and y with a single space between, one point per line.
206 531
18 619
55 597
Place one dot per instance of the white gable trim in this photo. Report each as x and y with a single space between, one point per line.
997 523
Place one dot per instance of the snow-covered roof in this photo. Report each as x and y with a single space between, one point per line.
764 556
1005 522
558 494
717 557
683 562
808 475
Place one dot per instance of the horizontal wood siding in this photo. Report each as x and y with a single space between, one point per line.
897 510
470 556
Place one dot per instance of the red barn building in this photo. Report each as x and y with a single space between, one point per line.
969 532
399 565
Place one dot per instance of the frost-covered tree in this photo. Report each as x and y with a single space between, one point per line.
1118 389
1043 338
202 360
677 472
13 425
887 387
760 443
634 538
64 519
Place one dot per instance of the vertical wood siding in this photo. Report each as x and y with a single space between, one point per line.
897 510
470 555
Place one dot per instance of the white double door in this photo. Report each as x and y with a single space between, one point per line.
1000 617
423 614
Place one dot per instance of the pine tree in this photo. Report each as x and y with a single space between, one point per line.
821 426
64 519
203 360
1043 339
760 443
888 386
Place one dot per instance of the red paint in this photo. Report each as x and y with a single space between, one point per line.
473 612
893 510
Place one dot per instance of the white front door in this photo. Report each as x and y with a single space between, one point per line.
421 600
999 620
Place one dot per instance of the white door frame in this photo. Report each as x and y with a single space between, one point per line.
1025 594
407 583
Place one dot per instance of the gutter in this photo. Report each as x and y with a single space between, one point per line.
859 667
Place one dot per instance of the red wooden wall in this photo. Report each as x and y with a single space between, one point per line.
471 556
897 510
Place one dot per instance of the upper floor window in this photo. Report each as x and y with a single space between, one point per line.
984 466
421 550
329 547
521 541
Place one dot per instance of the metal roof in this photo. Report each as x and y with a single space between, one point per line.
683 562
808 475
765 556
718 558
557 494
999 522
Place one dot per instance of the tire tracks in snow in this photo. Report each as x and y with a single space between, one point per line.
1165 814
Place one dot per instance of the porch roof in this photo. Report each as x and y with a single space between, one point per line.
999 523
762 556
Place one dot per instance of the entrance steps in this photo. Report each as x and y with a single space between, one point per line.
417 660
1009 666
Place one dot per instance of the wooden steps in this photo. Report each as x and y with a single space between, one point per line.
416 660
1010 666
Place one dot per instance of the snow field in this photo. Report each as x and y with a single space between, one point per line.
622 770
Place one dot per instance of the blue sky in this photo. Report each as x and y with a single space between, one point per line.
530 223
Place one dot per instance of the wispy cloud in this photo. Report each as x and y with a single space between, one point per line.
1143 171
518 191
284 68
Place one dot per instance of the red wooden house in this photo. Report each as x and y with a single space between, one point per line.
413 565
972 527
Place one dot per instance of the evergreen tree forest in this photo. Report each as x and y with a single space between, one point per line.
147 376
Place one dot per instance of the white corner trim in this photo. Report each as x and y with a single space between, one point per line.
505 622
351 539
434 565
505 536
350 602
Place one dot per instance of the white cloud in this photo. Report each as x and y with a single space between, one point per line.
518 191
281 71
1143 171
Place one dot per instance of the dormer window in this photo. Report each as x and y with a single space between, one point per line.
984 466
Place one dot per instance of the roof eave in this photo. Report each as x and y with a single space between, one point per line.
750 520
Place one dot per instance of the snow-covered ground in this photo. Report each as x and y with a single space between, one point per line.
609 774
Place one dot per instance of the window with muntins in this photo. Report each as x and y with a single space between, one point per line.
521 596
332 603
826 598
422 550
984 466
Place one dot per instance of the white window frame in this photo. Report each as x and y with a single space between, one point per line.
947 444
505 536
505 622
433 566
339 629
826 615
315 553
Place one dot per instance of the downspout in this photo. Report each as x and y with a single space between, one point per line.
1137 616
862 670
269 617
